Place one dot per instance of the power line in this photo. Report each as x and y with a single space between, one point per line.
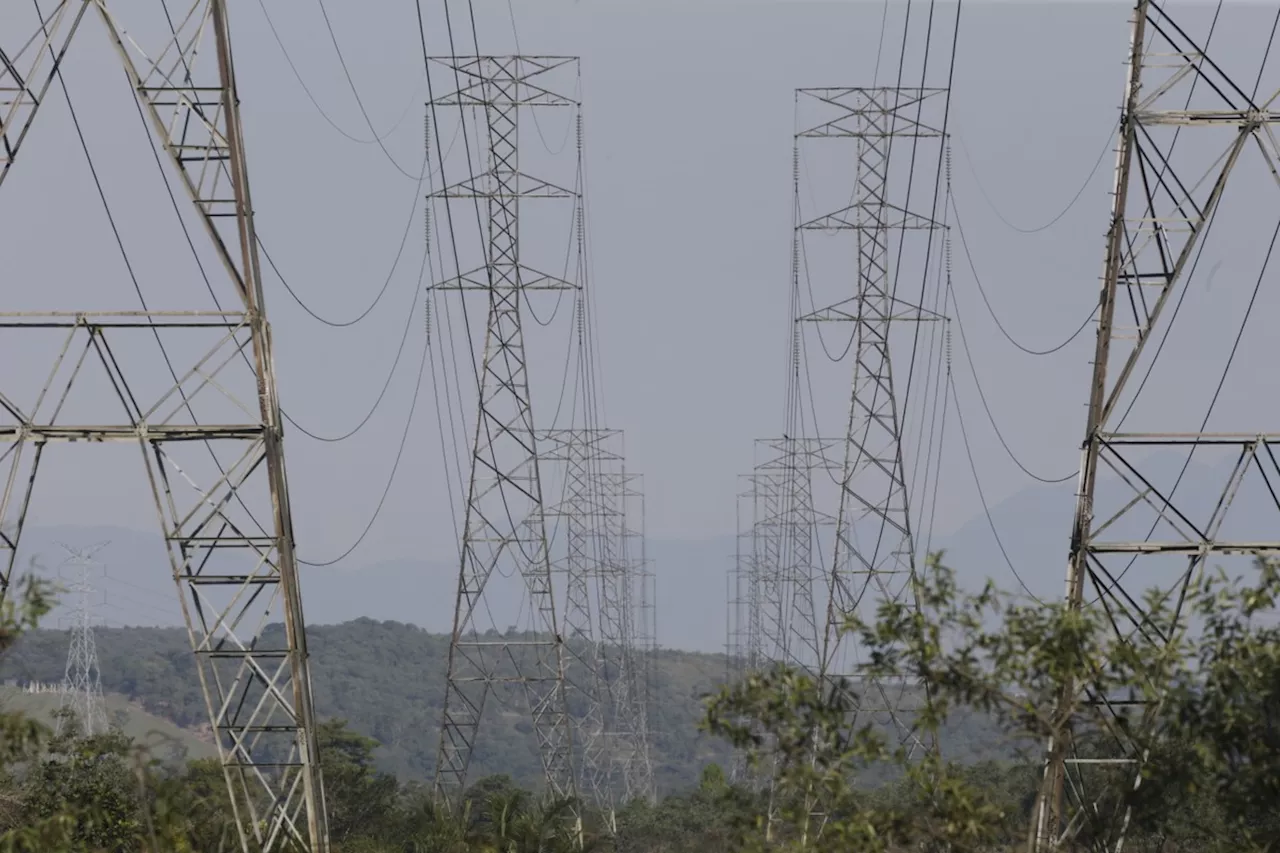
200 265
1054 221
977 482
404 337
964 244
395 465
391 478
376 138
964 344
386 284
360 102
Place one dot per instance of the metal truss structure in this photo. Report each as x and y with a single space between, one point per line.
744 641
600 581
874 553
784 552
744 624
208 426
1186 127
641 611
626 611
773 610
81 691
504 533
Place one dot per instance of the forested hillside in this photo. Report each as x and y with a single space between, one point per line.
387 680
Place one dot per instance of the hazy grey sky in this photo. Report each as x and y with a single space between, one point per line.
688 110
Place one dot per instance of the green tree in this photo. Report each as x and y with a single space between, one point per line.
89 779
1209 724
358 798
716 817
188 811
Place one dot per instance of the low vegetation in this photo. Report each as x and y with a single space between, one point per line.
1210 784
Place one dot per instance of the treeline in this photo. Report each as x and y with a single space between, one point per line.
1201 708
386 679
76 793
99 795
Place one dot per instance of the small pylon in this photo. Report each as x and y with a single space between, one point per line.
81 690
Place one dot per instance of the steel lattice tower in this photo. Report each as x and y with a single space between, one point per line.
746 635
746 622
641 609
505 525
82 683
773 618
621 611
210 433
785 552
580 513
1186 126
874 555
599 578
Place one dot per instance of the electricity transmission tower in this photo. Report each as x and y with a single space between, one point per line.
82 683
207 423
874 552
599 578
1186 127
504 528
784 551
746 633
641 610
773 610
586 559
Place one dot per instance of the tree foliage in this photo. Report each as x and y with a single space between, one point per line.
1205 720
843 778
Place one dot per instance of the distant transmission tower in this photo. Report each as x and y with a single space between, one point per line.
620 654
874 553
600 613
642 608
638 608
205 413
774 616
1186 127
82 683
786 547
746 608
505 531
587 561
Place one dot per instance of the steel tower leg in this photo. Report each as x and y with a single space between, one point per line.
210 434
1165 198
